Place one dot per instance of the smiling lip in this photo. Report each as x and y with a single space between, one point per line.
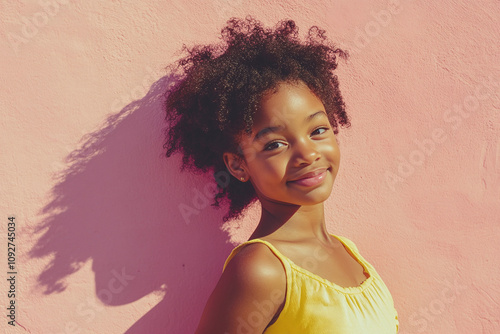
311 179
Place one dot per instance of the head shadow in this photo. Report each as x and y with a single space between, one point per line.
116 204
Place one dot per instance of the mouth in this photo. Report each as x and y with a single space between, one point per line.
311 179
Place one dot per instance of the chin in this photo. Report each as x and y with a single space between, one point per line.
316 200
315 196
302 197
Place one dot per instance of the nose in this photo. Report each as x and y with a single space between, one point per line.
305 152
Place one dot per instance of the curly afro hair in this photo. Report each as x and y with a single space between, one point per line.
221 86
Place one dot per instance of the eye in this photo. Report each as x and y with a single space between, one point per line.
317 131
272 146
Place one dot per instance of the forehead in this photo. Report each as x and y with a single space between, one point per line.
289 101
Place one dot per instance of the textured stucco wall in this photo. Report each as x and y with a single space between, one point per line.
101 244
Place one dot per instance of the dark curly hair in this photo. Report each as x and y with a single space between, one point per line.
221 86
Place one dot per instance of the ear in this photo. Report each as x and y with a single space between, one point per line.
236 166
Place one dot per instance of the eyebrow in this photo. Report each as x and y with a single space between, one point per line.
272 129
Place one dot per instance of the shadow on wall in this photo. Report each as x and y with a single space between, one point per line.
117 204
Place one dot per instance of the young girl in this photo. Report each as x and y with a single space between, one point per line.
265 107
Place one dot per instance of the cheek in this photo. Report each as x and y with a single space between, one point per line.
331 151
268 171
274 170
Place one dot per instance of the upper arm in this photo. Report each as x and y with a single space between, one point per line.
248 294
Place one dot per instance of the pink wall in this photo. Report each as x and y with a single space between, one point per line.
101 244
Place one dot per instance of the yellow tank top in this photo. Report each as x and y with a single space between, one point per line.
317 306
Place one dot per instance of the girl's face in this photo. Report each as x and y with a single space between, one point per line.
291 156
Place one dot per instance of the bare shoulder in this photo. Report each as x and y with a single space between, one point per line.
255 262
254 280
255 271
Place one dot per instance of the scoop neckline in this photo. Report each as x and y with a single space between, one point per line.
346 289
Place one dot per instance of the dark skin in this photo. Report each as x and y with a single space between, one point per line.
291 137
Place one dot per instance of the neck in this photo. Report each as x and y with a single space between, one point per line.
291 222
